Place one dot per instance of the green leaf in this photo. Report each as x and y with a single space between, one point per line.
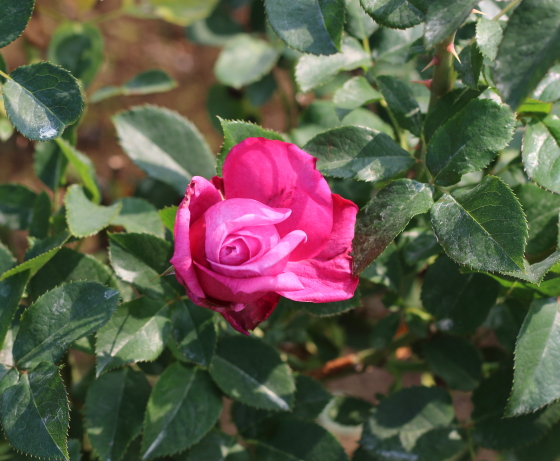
115 407
10 377
196 405
530 46
358 23
469 65
16 206
165 145
483 228
408 414
194 332
541 154
14 17
308 26
311 398
84 217
384 331
167 216
358 153
251 422
469 141
535 382
355 93
216 29
67 266
216 446
313 71
548 90
545 449
459 302
148 82
249 370
488 36
396 14
385 216
349 411
39 227
244 60
49 164
446 107
444 17
439 444
534 273
73 311
456 360
421 245
79 49
493 431
136 333
3 68
83 166
138 215
236 131
39 255
35 413
259 93
11 291
541 208
7 260
41 100
139 259
534 107
297 440
401 103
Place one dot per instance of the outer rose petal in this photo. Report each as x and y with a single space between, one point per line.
244 290
255 313
328 276
344 221
281 175
324 281
199 196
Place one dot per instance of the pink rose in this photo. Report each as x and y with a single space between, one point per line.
271 227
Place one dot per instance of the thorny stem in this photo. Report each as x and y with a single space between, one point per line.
444 73
506 10
401 137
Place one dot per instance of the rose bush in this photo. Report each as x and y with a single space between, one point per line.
256 234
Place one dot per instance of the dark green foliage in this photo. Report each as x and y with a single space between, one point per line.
459 302
253 373
42 100
308 26
529 48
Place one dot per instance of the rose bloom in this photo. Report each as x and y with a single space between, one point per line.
270 227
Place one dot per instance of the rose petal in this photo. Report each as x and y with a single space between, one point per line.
272 263
199 196
324 281
244 290
281 175
226 217
344 221
255 313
